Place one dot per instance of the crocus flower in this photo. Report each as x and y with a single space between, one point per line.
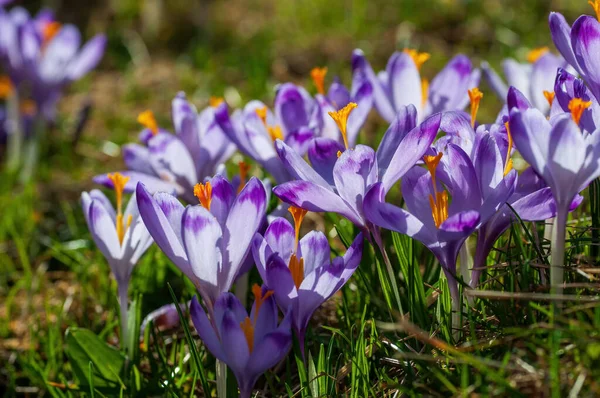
43 57
339 181
337 98
565 158
176 162
401 84
121 236
535 78
300 271
568 88
441 224
248 344
255 129
208 242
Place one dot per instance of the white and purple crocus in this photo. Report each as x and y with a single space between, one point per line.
120 235
300 271
208 242
175 163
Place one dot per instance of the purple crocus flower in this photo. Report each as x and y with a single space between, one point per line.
248 344
440 224
337 98
566 158
300 271
338 183
579 45
401 84
535 79
255 129
209 242
176 162
568 88
121 236
43 57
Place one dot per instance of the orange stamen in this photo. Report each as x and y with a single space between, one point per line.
339 153
275 133
248 329
50 30
475 97
549 97
248 325
6 87
244 167
439 200
119 181
341 119
215 101
296 267
259 298
262 114
148 120
298 215
596 6
417 57
204 194
577 106
432 163
509 163
536 54
424 91
318 77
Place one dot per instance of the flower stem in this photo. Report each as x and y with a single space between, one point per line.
15 144
32 150
123 303
557 256
221 369
466 265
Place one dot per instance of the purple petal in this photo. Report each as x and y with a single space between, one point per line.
279 278
322 154
405 81
290 107
205 330
104 231
169 155
518 75
405 121
234 344
381 98
314 247
585 40
448 90
465 191
363 96
459 225
136 157
88 58
222 198
412 148
542 79
561 36
516 99
494 80
297 166
280 236
338 94
300 139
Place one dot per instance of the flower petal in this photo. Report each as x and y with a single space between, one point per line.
280 236
405 80
315 250
322 154
205 330
404 122
381 97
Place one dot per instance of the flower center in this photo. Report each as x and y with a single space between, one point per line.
596 6
508 165
6 87
424 91
248 325
244 167
262 114
148 120
536 54
439 200
274 131
577 106
50 30
215 101
318 77
119 181
417 57
475 96
341 119
204 194
549 97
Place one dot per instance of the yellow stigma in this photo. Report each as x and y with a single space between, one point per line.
509 163
417 57
549 96
536 54
318 77
439 200
28 107
204 194
244 167
424 91
341 119
6 87
248 325
148 120
215 101
596 6
275 133
119 181
339 153
577 106
50 30
262 114
475 97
